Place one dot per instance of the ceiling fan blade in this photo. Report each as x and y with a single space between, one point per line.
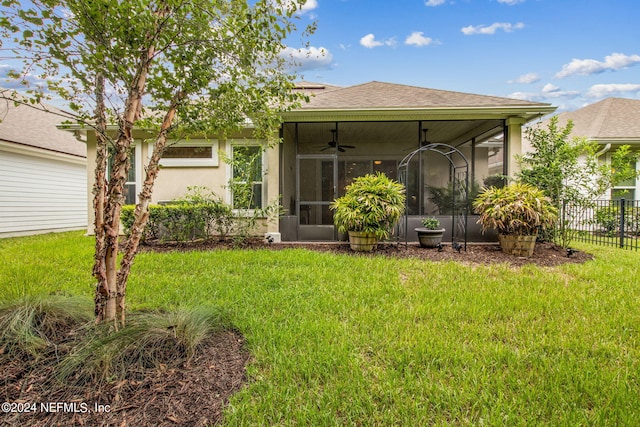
348 146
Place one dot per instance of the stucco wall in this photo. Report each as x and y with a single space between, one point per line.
172 181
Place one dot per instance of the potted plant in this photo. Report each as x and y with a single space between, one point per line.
370 208
430 234
517 211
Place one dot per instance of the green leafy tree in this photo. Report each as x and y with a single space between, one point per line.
172 67
570 171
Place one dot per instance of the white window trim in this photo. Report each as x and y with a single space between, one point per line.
229 152
194 163
139 167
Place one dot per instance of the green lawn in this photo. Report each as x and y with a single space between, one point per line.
342 340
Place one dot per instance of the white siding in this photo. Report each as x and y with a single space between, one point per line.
41 194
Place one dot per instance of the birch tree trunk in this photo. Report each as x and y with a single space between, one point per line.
99 201
141 214
109 293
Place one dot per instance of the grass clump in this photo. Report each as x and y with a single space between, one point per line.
31 324
149 340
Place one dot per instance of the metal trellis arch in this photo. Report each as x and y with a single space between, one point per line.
459 175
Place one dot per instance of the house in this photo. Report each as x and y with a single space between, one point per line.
43 179
610 123
344 132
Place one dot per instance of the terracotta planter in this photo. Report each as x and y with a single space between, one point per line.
429 238
361 241
522 246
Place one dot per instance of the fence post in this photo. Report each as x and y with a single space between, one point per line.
622 203
563 223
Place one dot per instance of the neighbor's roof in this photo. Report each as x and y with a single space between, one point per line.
26 125
312 88
380 95
611 118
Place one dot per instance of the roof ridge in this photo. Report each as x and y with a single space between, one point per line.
443 91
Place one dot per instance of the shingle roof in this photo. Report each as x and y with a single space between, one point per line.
611 118
30 126
389 95
314 87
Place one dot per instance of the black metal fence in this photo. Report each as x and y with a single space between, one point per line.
603 222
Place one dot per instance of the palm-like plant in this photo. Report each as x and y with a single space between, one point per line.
519 209
371 204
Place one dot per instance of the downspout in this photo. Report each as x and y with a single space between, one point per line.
604 150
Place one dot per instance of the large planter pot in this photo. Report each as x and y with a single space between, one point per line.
429 238
361 241
517 245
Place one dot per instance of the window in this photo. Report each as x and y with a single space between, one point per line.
247 176
628 189
192 153
130 186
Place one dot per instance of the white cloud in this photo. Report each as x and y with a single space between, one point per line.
510 2
434 2
548 92
312 58
585 67
417 38
605 90
520 95
557 93
548 88
491 29
526 78
369 41
307 7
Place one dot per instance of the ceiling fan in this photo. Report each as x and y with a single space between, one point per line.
335 144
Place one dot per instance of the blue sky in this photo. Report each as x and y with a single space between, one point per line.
569 53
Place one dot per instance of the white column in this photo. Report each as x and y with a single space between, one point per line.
514 144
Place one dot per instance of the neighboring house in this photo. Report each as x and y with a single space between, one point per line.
610 123
43 178
343 133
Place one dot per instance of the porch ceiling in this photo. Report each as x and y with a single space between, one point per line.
452 132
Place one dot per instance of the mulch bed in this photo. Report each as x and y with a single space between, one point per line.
545 254
195 393
191 394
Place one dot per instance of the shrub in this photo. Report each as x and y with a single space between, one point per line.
181 221
199 214
372 204
518 208
608 217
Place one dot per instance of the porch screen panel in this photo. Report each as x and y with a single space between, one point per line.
316 191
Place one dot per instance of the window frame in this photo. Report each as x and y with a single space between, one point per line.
192 162
229 152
